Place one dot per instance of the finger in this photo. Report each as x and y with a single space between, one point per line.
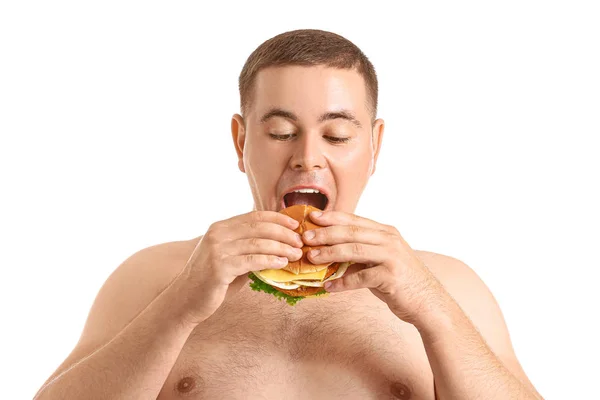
365 278
355 252
262 216
266 230
338 234
355 268
243 264
263 246
328 218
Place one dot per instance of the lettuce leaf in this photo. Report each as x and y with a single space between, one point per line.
260 286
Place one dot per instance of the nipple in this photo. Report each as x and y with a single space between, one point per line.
400 391
186 384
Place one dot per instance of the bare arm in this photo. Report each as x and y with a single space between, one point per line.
134 333
467 341
145 312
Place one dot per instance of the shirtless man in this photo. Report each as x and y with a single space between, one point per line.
179 320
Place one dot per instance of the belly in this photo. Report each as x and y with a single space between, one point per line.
349 346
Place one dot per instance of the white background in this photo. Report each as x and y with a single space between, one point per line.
114 122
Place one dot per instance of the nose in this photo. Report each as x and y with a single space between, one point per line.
308 154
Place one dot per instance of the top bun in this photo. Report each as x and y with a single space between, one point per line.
301 213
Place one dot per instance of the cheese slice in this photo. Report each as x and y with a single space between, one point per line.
281 285
320 283
279 275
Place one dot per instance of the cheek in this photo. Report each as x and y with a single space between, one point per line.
355 161
351 172
260 163
263 169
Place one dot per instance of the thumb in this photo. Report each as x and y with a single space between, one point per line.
357 277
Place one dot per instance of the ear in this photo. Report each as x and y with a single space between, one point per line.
238 133
377 138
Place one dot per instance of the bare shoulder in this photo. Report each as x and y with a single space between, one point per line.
465 286
127 292
472 295
448 270
478 303
133 285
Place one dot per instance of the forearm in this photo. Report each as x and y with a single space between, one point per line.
463 365
135 363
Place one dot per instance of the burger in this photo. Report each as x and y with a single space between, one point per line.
299 279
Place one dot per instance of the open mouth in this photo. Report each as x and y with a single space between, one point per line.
309 197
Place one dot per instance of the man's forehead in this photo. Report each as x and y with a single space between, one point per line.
313 91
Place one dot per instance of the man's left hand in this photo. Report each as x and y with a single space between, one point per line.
385 263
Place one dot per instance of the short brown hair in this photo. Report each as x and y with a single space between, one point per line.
308 47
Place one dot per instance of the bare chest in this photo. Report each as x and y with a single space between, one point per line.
345 346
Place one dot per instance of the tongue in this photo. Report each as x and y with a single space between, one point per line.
312 199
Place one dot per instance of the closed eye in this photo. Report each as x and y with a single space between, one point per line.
285 138
338 139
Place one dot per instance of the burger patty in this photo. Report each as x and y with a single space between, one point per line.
331 270
301 291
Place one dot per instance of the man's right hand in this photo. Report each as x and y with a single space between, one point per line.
229 250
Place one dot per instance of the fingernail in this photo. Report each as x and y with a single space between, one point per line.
309 234
328 285
314 253
282 260
316 214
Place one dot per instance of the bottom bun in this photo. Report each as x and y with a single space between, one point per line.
302 291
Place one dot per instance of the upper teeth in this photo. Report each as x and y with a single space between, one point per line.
306 191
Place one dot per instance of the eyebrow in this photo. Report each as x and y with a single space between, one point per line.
278 112
328 116
343 114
